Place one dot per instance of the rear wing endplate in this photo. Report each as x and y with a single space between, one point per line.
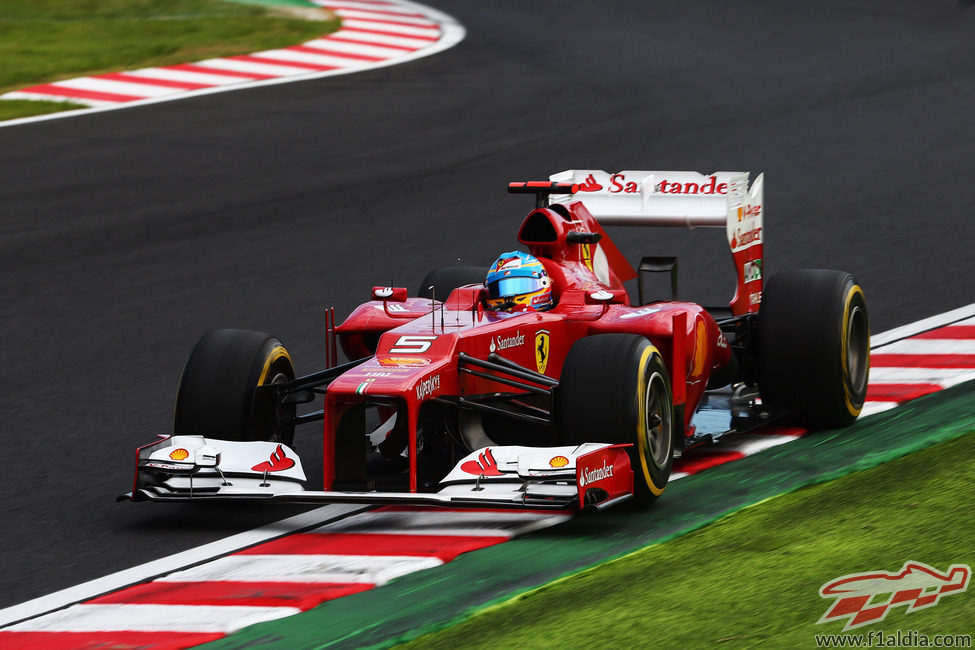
685 199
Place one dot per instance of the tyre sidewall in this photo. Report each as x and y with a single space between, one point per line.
601 398
803 326
216 391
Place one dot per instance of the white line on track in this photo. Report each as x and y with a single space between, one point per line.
335 45
154 618
118 87
944 377
402 18
952 317
175 562
368 569
872 408
930 346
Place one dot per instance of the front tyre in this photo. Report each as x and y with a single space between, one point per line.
615 388
216 392
814 346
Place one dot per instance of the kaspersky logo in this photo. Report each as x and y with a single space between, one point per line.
865 598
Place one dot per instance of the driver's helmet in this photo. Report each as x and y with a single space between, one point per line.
518 281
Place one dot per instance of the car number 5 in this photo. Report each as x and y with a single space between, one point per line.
412 344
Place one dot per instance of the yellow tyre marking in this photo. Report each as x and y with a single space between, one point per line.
275 354
642 422
854 411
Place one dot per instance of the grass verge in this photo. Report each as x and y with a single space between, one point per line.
47 40
752 579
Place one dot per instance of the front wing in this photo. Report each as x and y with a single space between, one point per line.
194 468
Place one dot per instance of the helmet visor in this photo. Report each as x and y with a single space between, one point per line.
513 286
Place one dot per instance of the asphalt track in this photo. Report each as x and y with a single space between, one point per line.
125 235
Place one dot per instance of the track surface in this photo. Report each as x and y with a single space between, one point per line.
126 235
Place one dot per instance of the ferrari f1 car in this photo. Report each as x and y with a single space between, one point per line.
447 401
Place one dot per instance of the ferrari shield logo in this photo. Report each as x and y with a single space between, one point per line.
542 339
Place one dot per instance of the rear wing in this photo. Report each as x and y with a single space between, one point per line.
685 199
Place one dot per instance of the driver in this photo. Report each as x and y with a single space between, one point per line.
518 282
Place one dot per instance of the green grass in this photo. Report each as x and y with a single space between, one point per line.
47 40
752 579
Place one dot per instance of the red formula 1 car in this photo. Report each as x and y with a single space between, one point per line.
450 400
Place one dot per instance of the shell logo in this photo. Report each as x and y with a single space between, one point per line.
179 454
559 461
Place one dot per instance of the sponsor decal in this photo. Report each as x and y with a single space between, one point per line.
710 186
755 298
485 465
641 312
158 465
278 462
590 476
866 598
377 374
743 239
390 306
620 184
587 255
748 230
753 271
589 185
507 342
558 461
542 344
413 344
722 340
700 349
509 263
408 362
427 387
749 211
179 454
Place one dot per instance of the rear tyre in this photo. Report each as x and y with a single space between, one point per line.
216 392
439 282
615 388
814 346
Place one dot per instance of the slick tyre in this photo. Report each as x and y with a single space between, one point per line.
615 388
814 346
439 282
216 395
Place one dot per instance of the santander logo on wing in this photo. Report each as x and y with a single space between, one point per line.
865 598
485 465
589 185
278 462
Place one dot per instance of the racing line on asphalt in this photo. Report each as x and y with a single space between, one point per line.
290 568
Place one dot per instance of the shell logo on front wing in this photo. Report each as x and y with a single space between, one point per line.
179 454
558 461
